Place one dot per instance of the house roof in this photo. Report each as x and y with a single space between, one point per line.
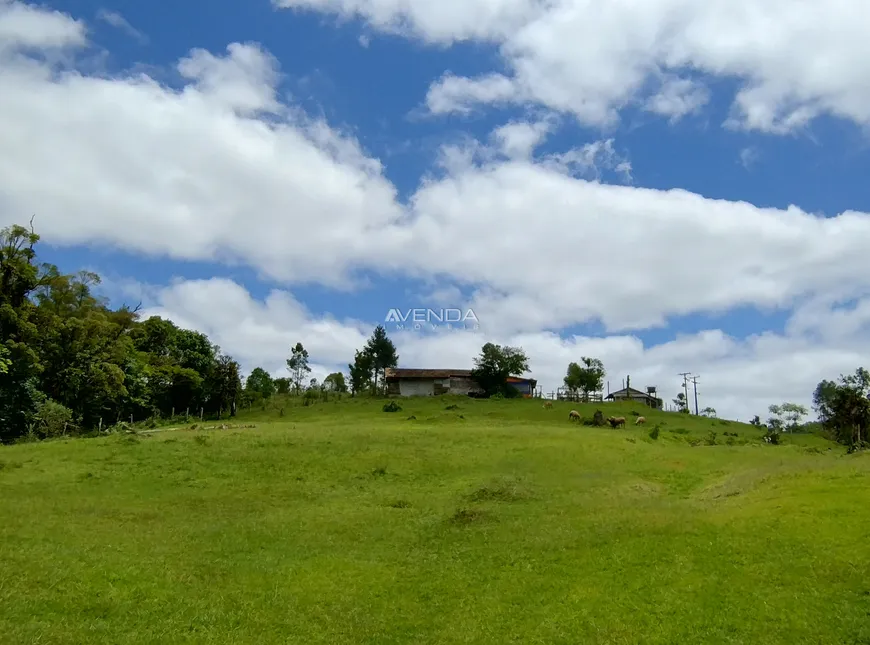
406 373
395 372
629 390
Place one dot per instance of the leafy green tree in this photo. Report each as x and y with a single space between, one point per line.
585 378
495 364
681 403
709 412
20 278
787 416
844 407
297 365
360 372
282 385
225 385
383 354
335 383
260 382
70 362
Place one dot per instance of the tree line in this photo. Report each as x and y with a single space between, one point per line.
69 362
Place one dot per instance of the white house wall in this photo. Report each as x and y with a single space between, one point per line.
417 387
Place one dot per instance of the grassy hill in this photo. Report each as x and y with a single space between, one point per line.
489 522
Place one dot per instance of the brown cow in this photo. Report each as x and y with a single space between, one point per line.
548 404
640 421
573 414
616 422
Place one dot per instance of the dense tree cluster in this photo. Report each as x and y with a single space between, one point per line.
70 362
368 370
583 380
495 364
843 407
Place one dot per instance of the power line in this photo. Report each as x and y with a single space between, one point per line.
685 376
695 387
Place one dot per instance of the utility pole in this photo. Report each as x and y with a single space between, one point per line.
695 387
685 376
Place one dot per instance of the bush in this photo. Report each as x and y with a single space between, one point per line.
54 420
498 396
654 433
711 438
309 397
392 406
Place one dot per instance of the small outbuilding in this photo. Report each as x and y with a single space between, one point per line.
422 382
630 394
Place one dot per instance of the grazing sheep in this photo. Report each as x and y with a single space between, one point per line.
616 422
573 414
640 421
548 404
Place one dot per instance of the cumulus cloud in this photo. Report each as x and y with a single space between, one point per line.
223 170
738 378
678 97
795 60
459 94
23 26
195 174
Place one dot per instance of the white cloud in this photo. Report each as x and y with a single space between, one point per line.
795 60
458 94
201 174
677 98
256 333
118 21
194 174
739 379
25 26
590 160
519 139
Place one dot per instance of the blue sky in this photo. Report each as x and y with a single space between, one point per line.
370 87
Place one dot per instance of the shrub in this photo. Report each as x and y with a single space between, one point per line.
771 436
309 397
53 419
654 433
392 406
711 438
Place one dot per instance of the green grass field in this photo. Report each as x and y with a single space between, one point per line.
496 522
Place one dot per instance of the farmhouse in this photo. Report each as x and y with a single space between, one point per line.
416 382
630 394
423 382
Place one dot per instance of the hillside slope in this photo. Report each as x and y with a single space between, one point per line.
489 522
